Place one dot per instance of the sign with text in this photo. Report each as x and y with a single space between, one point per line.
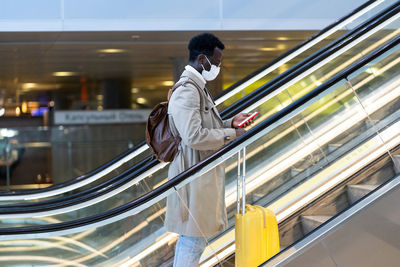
101 117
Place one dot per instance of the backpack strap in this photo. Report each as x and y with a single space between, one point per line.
173 89
182 83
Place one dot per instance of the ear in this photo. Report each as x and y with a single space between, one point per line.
201 59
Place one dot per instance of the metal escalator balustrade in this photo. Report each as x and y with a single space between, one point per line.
356 230
311 204
381 170
228 93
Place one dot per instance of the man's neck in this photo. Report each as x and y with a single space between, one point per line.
195 73
196 66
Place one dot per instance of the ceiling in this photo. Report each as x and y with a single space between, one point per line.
28 61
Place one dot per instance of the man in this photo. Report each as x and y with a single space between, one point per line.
197 211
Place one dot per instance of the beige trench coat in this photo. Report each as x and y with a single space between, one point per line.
202 132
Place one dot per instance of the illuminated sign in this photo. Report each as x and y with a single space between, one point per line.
101 117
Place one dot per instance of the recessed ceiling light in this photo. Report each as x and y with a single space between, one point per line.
267 49
282 38
111 50
42 86
64 73
141 100
168 83
24 107
29 85
134 90
281 47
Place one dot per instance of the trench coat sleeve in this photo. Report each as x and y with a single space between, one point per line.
228 123
187 117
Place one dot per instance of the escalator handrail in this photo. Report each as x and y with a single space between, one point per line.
226 91
172 183
117 181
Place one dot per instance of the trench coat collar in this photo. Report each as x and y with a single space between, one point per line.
194 77
199 80
196 73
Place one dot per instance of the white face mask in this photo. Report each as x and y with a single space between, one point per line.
211 74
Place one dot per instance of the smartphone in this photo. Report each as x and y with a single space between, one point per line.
252 116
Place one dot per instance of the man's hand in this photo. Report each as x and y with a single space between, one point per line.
239 118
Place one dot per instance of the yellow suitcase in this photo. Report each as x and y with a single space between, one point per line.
256 228
256 236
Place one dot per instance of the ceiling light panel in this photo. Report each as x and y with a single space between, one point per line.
64 73
111 51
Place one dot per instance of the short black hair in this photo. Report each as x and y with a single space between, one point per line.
204 43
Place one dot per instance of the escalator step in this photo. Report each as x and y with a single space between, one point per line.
310 222
396 159
295 171
355 192
256 197
333 147
371 123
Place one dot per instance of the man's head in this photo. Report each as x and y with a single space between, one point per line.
205 50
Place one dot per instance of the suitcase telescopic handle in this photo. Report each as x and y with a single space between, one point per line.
241 165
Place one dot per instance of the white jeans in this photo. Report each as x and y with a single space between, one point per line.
188 251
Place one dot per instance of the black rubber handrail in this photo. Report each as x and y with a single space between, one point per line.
227 90
120 180
198 167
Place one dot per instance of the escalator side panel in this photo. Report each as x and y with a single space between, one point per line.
367 234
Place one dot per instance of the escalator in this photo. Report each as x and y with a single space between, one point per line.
133 159
333 136
366 234
337 212
361 156
276 94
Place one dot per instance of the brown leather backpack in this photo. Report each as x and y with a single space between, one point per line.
158 132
